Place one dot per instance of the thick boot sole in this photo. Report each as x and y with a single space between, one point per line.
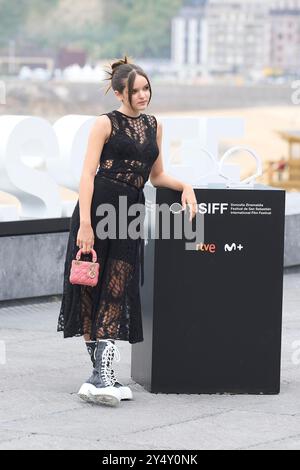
107 395
84 392
125 392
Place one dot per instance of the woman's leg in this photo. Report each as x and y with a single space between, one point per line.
86 311
110 317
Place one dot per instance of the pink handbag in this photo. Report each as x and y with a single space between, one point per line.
85 273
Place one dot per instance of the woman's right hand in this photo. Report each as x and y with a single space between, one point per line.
85 238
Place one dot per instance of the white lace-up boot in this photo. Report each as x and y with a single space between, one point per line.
99 388
126 393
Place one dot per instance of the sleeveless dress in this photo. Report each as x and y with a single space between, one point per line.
112 308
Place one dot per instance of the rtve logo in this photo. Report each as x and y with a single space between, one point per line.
206 247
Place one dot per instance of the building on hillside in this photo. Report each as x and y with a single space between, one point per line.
236 36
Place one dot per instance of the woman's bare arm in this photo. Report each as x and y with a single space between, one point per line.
98 134
157 176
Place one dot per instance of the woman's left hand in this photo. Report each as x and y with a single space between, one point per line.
188 197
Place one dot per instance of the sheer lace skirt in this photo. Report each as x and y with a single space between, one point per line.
112 309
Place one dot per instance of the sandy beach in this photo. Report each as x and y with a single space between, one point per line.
261 126
261 132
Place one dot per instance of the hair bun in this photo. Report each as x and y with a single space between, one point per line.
113 67
119 62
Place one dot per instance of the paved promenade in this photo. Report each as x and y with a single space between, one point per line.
39 407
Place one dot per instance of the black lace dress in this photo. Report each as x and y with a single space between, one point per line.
112 309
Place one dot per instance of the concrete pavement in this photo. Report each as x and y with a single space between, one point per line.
39 407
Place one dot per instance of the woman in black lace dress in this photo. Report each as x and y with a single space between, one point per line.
126 145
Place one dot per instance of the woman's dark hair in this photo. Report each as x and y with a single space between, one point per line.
122 71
